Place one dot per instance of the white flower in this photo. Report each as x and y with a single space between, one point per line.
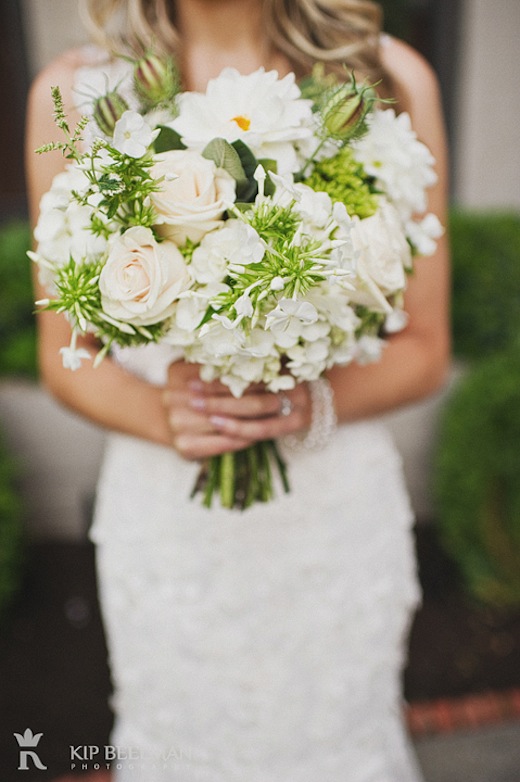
264 111
63 228
142 279
287 320
193 197
369 349
100 78
308 361
400 163
72 357
235 244
133 135
423 233
93 81
384 254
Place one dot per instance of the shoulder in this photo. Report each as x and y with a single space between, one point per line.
411 75
61 72
415 86
41 127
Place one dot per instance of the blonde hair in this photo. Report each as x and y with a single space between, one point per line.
305 31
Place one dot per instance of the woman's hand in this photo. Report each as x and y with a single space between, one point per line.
206 420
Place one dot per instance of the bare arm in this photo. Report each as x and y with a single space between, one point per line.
107 395
415 361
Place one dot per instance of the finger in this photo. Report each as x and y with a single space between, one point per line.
248 406
256 429
184 420
195 448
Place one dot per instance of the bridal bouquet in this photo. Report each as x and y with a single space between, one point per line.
263 228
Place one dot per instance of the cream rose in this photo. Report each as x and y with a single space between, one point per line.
142 279
383 256
193 197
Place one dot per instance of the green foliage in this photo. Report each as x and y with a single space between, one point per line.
344 179
486 282
17 328
477 479
11 531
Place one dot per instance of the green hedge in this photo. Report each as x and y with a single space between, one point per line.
478 479
486 282
11 530
477 470
17 329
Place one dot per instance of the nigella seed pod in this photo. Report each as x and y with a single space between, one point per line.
155 79
108 109
344 115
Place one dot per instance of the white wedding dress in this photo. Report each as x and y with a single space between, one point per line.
263 646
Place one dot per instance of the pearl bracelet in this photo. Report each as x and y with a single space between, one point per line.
323 419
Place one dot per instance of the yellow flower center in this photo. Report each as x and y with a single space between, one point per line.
244 123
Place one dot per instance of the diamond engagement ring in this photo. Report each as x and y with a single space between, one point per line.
286 406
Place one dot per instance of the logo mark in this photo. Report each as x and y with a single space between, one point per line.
29 742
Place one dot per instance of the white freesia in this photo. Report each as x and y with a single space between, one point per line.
142 279
193 197
265 112
133 135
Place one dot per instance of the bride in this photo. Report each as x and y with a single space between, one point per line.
263 646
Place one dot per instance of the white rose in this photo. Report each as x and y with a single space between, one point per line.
142 279
194 195
384 254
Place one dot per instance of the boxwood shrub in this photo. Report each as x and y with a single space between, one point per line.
486 282
17 328
11 530
478 479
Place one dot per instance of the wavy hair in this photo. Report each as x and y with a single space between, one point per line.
305 31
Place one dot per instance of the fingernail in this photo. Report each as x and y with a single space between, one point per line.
196 385
198 403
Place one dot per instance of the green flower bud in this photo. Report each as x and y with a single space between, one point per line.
345 111
156 80
107 110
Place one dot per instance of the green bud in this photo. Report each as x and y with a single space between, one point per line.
156 80
107 110
345 111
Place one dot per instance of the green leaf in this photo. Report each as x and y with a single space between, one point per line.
225 156
247 190
167 139
269 165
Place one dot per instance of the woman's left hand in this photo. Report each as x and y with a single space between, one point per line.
258 414
205 420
